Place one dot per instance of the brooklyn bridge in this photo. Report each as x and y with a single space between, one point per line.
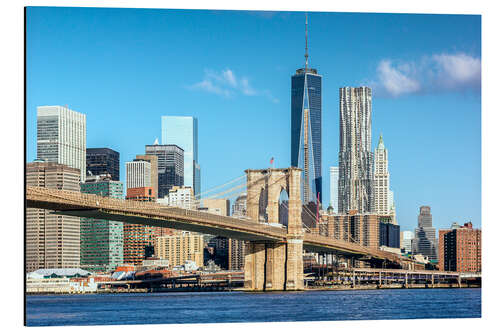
273 252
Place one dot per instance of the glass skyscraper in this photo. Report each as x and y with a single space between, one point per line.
306 131
334 185
183 132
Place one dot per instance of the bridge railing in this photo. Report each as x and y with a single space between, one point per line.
148 208
77 200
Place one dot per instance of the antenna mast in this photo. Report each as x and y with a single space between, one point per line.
306 55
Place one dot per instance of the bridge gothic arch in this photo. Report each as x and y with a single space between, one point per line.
275 265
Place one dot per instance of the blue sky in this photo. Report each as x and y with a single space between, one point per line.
125 68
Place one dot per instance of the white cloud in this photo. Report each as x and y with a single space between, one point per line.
458 70
436 73
209 86
245 87
396 81
229 77
226 83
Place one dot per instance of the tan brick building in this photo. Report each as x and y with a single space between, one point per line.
180 247
52 241
353 227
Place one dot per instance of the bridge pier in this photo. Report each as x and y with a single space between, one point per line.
255 261
275 265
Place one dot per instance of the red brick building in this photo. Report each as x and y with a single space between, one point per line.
460 249
139 240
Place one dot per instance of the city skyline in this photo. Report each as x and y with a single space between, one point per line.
270 100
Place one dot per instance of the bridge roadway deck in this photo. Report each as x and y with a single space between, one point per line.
154 214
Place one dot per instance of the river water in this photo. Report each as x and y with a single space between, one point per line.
222 307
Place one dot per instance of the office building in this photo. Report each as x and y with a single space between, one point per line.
61 137
406 240
425 235
363 229
240 206
101 240
306 129
153 161
389 235
334 188
355 156
139 241
52 241
102 161
170 167
383 196
182 197
183 132
179 247
138 174
460 249
220 246
140 194
229 253
216 206
236 254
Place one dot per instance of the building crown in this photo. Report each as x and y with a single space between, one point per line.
380 143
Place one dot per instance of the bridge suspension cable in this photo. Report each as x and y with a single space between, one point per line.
219 186
230 190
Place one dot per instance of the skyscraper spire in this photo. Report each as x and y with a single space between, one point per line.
306 55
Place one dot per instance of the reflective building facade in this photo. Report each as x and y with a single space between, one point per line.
334 192
171 167
183 132
101 161
355 156
306 131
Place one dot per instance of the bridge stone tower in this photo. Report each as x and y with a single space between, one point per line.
275 265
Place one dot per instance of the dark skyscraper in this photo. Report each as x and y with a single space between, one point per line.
103 160
170 166
306 129
425 235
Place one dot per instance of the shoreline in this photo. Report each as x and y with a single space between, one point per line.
319 288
